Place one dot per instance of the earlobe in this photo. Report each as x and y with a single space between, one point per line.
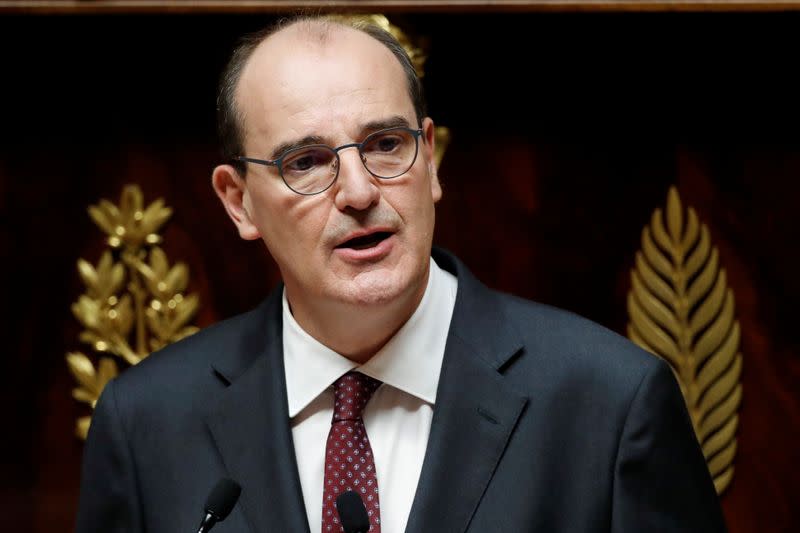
231 190
436 187
429 131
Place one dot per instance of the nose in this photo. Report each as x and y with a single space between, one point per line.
356 188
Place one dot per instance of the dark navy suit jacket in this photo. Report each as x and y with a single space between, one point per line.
544 422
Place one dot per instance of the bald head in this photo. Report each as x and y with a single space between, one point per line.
309 32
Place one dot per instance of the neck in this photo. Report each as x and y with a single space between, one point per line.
354 331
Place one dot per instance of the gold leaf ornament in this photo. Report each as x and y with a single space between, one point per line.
134 302
681 309
130 225
91 382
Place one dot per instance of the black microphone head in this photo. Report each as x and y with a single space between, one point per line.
222 498
352 512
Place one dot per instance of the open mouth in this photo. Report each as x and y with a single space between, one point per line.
366 241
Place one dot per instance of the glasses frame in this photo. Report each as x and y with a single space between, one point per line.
416 133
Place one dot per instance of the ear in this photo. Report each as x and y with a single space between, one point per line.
428 149
231 189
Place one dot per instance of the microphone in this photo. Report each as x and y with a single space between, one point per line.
352 512
219 503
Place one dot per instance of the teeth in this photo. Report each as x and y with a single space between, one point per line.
362 246
367 241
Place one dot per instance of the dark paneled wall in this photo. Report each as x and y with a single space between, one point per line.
567 132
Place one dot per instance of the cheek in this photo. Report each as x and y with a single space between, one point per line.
261 212
293 228
424 195
411 199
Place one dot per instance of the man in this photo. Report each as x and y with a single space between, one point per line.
377 368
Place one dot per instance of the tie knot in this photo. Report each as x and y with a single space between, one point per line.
351 393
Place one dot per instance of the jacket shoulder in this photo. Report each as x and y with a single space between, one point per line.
574 348
175 377
197 350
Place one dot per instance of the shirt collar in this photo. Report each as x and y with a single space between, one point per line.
411 361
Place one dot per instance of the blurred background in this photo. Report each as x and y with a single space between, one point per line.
568 127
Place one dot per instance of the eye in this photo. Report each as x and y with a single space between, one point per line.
385 143
307 159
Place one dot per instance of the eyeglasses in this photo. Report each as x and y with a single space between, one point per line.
312 169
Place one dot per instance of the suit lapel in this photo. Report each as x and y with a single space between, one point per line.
475 413
250 425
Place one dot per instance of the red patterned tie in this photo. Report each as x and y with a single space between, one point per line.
349 464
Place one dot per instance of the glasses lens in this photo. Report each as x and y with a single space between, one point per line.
389 153
310 169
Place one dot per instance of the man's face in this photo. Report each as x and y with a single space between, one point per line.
294 89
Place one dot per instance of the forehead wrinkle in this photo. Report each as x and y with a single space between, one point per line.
325 117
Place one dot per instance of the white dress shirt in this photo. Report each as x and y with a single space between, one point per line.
397 418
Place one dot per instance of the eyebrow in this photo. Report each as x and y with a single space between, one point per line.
285 147
396 121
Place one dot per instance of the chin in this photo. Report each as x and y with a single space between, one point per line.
378 287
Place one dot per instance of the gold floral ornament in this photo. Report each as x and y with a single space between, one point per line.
134 301
681 309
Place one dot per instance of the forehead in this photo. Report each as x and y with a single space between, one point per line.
297 83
